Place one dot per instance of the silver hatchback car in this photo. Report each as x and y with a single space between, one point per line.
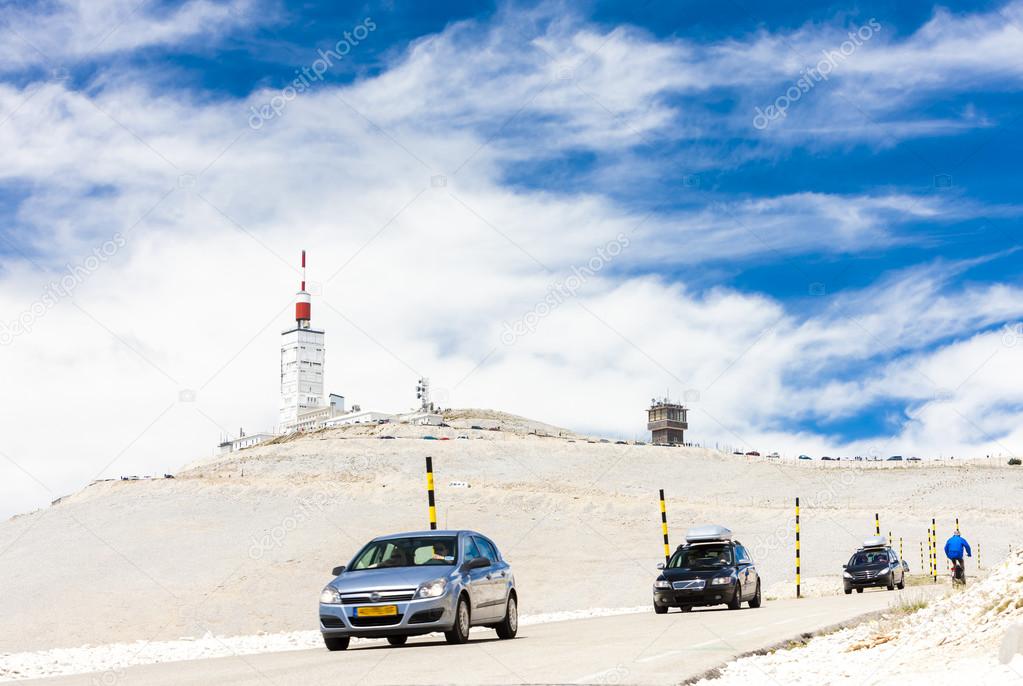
417 583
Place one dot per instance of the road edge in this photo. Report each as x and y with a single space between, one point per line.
799 639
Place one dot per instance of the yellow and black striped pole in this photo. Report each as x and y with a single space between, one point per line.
900 548
798 552
934 547
921 557
877 524
429 493
930 551
664 528
978 557
891 541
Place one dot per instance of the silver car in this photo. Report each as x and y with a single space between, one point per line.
417 583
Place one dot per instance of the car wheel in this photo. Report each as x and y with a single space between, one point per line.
848 591
686 608
509 626
336 642
756 599
660 609
902 584
460 631
397 640
859 590
891 585
736 602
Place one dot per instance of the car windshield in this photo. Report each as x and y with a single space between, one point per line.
702 557
414 551
869 557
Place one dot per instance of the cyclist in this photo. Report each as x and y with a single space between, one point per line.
954 548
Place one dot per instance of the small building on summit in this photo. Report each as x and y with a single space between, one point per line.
666 422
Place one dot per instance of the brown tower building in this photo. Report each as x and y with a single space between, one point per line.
666 422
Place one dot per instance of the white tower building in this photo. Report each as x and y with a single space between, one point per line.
302 357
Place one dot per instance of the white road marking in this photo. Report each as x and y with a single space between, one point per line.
785 621
750 631
706 643
659 656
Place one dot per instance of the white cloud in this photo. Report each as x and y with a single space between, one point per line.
59 34
214 214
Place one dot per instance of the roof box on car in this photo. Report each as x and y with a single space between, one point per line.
875 542
708 532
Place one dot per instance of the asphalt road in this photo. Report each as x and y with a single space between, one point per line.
627 649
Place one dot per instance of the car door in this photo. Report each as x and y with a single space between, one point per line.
497 594
895 566
478 582
747 572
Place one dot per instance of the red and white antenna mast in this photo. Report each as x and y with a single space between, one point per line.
303 303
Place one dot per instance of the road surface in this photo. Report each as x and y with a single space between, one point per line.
626 649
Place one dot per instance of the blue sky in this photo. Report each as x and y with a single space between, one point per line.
838 278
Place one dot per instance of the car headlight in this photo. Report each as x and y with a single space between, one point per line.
720 580
432 589
847 575
330 596
662 583
884 572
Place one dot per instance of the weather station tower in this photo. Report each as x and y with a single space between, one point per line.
302 357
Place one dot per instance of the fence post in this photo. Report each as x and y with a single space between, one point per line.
429 493
664 529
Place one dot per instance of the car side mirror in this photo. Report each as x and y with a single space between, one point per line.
337 571
660 565
845 566
905 566
476 563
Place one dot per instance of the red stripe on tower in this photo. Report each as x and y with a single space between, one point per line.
303 305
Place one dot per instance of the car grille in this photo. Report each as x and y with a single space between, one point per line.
689 585
862 576
331 622
401 596
375 621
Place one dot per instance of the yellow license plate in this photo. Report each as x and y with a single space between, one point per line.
379 611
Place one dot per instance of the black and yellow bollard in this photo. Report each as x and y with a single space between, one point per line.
664 529
877 525
921 557
934 548
429 493
930 560
798 551
900 549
